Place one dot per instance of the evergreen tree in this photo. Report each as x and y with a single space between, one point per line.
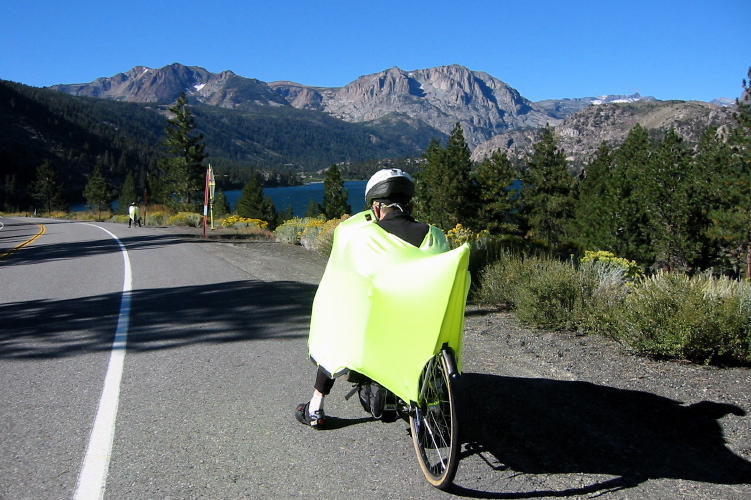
595 226
46 190
285 215
10 193
429 180
546 192
629 163
498 199
716 189
221 207
446 194
184 168
731 220
313 209
334 195
98 191
254 205
128 194
669 202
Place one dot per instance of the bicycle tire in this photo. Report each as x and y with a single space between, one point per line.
433 423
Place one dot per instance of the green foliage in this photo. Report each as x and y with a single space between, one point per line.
671 315
698 318
46 190
128 194
630 220
547 191
253 204
189 219
445 193
595 223
98 192
183 169
334 195
497 210
78 133
221 206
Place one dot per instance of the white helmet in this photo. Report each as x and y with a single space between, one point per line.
391 184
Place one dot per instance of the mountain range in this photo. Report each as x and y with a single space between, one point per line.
493 115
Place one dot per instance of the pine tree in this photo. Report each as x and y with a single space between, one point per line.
46 190
629 164
731 220
498 199
312 209
667 197
184 168
128 194
429 180
254 205
546 192
98 191
716 183
221 207
446 194
595 226
334 195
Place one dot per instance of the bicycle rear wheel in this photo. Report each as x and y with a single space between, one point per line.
433 423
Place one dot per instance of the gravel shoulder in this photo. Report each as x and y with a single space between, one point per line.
551 414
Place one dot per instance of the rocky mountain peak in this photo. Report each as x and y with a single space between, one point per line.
439 96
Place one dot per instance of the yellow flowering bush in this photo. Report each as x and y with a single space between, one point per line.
243 222
629 267
292 230
312 229
460 235
325 239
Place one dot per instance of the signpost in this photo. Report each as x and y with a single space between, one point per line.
212 186
208 198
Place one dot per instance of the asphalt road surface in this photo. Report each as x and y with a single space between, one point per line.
143 364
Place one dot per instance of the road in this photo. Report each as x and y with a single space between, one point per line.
216 361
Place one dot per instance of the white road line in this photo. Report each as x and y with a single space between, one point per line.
93 477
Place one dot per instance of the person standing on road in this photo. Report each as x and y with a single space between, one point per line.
389 194
133 215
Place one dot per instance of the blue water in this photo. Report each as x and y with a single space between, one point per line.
296 196
299 196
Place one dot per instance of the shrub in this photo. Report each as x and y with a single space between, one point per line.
630 268
186 219
552 296
698 318
325 238
300 231
313 227
235 221
156 218
120 219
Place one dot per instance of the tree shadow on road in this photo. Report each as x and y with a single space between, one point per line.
521 427
160 318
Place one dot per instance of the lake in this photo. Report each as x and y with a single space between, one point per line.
298 197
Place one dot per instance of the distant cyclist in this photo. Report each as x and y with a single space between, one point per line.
389 195
134 216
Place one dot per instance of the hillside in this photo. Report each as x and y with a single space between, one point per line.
582 132
76 133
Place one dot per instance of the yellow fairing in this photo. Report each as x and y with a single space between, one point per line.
384 307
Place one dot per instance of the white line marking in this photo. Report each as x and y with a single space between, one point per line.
93 477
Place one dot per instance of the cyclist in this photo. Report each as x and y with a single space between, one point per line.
389 194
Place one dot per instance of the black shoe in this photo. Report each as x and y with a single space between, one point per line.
317 420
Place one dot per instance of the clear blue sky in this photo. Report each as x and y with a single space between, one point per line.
668 49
